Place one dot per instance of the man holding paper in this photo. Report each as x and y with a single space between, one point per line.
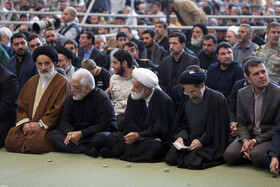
202 124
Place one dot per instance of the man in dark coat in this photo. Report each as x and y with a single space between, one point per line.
21 64
201 124
88 113
8 97
89 51
149 117
173 65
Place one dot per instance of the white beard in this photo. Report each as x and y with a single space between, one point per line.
48 75
137 96
196 41
80 96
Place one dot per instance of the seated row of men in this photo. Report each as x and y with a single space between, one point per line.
49 118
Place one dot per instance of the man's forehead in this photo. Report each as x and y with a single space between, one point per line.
49 32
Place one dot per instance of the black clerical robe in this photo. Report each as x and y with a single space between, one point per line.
214 140
91 115
154 122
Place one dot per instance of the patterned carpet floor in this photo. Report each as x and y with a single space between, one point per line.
61 169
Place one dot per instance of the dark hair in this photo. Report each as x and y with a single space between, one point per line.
121 34
180 36
71 42
162 23
150 31
23 16
33 36
254 62
50 29
18 35
131 44
90 35
208 10
156 3
124 55
211 36
223 45
26 33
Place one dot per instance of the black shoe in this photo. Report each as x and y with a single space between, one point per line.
91 152
106 153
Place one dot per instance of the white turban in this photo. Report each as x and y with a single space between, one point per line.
7 31
146 77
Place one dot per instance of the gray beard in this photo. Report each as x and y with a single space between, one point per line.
196 41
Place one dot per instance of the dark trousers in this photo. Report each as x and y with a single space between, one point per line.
233 155
97 141
4 129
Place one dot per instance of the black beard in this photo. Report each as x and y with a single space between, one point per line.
21 55
121 71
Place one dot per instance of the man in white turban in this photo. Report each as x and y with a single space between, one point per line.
149 116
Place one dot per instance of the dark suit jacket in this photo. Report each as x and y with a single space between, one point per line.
165 73
28 68
270 113
157 56
233 99
8 96
97 56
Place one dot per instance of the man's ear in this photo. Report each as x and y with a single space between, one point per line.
124 63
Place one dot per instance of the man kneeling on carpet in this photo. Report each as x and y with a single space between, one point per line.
202 124
149 117
87 117
40 104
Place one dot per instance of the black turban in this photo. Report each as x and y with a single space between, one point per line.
202 27
45 50
192 77
63 50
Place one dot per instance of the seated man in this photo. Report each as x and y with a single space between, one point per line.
87 113
201 123
101 75
258 113
8 96
65 60
39 106
149 117
272 156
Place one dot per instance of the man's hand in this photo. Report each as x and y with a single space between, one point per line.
68 138
34 126
131 137
76 136
233 129
245 149
26 128
195 145
274 165
181 141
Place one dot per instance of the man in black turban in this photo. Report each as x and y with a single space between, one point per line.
201 125
39 106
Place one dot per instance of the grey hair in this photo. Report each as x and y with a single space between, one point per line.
85 76
249 28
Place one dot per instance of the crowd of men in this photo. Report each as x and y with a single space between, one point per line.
214 94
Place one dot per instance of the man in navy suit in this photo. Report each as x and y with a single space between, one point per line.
89 51
21 64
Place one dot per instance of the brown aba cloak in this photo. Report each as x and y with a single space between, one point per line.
48 113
